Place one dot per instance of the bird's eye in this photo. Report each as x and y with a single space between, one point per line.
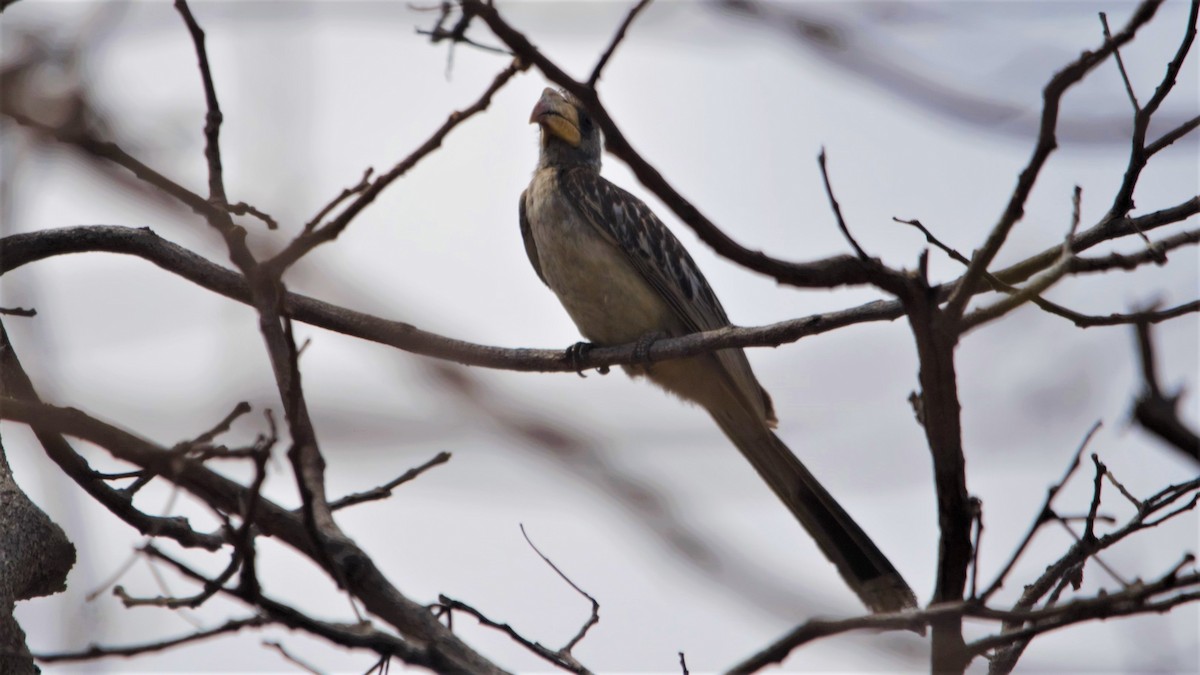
585 125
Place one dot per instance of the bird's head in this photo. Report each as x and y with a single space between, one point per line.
569 136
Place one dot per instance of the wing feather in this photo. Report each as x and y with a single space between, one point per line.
527 237
627 223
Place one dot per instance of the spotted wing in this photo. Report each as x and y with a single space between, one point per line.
626 222
527 237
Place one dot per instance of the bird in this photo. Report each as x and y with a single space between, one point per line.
623 277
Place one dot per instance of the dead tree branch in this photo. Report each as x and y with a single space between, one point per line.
1155 410
364 580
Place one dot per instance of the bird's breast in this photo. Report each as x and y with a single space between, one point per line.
607 298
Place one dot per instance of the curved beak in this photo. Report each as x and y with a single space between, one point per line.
557 116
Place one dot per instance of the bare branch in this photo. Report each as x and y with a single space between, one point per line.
361 636
1157 412
223 426
266 293
837 209
20 249
367 582
929 237
1155 252
457 34
1173 135
1138 154
290 658
1176 64
384 491
616 40
1120 64
96 652
977 517
1029 293
560 659
816 629
1046 144
1089 529
112 152
15 383
311 238
363 184
1137 599
1044 515
213 119
1067 569
1133 261
593 619
243 209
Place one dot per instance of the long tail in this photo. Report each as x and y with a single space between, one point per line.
864 567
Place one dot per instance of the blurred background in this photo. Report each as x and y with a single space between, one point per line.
927 110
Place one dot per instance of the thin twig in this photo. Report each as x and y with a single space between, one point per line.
1089 529
223 426
96 652
929 237
1122 202
113 578
363 184
1137 503
1120 65
1067 568
1045 514
243 209
17 385
595 616
457 34
1173 135
213 117
1127 262
310 239
816 629
1136 599
1172 72
616 40
1157 412
977 516
1077 265
291 658
361 636
384 491
114 153
559 658
1104 607
431 643
1046 144
837 209
1026 294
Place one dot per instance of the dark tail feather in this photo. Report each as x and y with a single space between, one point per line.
864 567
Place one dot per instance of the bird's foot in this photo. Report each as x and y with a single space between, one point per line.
641 348
576 354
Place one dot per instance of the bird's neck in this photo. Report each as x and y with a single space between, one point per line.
557 154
